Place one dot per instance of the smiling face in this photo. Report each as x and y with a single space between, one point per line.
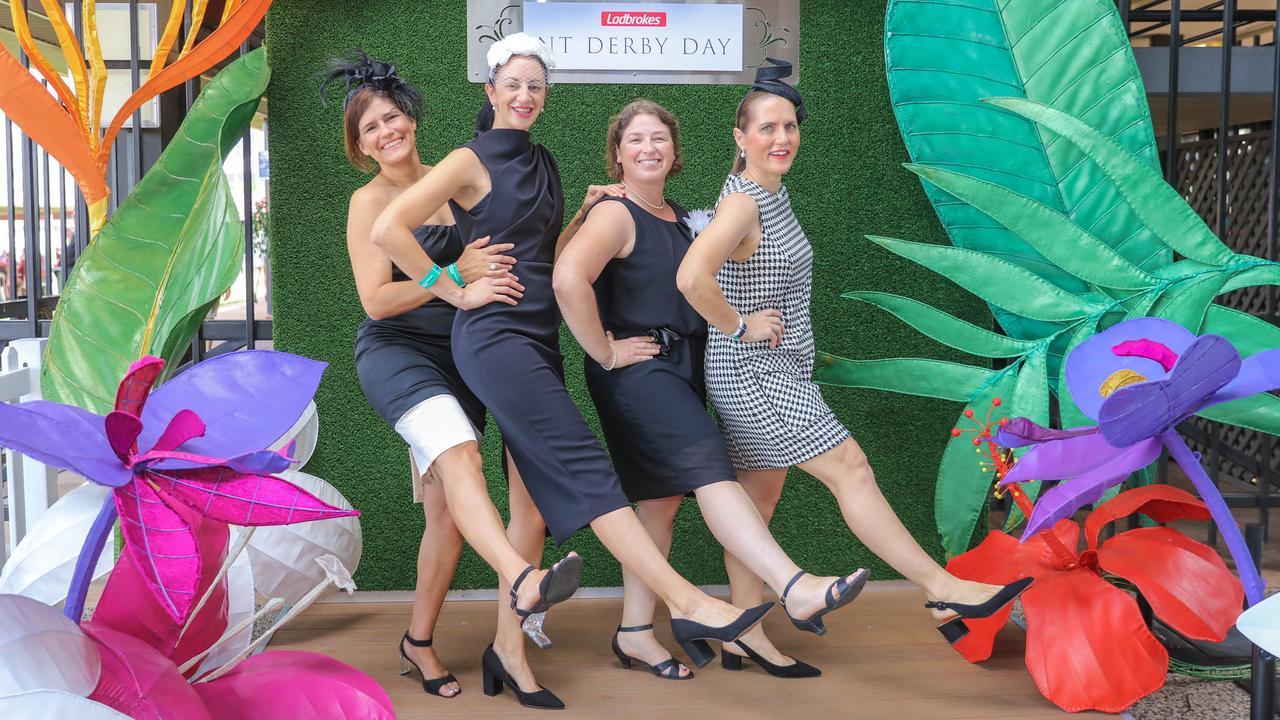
646 150
518 92
383 132
769 134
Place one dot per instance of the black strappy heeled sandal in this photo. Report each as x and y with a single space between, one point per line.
838 594
954 629
798 669
558 585
668 669
429 685
693 636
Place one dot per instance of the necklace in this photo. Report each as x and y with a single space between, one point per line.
637 196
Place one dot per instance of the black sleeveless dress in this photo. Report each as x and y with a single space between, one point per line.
406 359
654 413
510 355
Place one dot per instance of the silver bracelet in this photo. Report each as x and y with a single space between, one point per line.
613 358
742 328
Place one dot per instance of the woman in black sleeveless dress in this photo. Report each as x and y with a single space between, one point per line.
405 365
645 375
506 340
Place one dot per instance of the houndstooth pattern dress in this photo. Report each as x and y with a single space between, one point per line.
771 413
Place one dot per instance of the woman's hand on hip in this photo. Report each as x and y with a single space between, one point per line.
631 350
491 289
764 325
481 260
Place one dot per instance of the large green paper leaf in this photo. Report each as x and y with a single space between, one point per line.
1187 302
1143 188
943 58
1259 412
1050 232
960 497
909 376
1262 274
147 281
946 329
1250 334
997 281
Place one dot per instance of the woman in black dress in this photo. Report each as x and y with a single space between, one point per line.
644 370
406 369
506 339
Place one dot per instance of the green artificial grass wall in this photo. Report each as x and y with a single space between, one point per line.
847 182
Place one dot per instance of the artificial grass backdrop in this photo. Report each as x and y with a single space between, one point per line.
847 182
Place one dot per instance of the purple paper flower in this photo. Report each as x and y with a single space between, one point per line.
203 431
1138 380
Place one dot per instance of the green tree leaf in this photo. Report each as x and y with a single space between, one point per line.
997 281
910 376
1053 234
1250 334
1153 200
1187 302
963 488
945 328
147 281
942 58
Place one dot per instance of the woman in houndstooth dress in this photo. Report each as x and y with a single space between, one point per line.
749 274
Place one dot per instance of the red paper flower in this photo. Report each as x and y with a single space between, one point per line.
1087 645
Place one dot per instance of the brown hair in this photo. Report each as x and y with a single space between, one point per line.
356 105
620 122
744 115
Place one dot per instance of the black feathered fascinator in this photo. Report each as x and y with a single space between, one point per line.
361 72
769 78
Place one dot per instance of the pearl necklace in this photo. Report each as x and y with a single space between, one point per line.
637 196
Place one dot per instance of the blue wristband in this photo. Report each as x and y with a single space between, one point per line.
455 275
430 278
742 328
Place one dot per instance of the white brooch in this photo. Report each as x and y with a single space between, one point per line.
698 220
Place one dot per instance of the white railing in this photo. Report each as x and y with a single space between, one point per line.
31 486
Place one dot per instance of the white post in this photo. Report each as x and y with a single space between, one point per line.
33 486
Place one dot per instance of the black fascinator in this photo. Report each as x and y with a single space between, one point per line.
363 71
769 78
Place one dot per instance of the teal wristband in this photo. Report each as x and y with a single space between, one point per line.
430 278
455 275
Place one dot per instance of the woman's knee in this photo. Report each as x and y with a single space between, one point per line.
847 468
659 511
764 489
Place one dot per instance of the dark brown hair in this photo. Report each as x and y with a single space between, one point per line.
360 101
744 116
619 124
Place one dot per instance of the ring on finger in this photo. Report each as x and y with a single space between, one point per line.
493 266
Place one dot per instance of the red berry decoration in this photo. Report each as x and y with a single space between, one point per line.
977 441
995 402
955 432
968 412
1004 421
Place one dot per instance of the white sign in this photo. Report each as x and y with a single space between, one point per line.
639 36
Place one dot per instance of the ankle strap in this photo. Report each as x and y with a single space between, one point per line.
635 628
415 642
515 586
787 589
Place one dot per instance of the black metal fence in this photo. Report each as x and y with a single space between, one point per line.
44 224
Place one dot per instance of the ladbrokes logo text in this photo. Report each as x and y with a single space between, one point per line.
611 18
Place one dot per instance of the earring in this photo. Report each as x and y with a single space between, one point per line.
742 153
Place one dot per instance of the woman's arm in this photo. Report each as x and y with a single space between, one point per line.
608 232
594 193
458 173
733 232
380 297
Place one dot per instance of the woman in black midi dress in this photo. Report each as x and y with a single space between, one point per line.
406 369
645 375
505 338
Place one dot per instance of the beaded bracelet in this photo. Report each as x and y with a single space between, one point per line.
457 276
742 328
613 358
430 278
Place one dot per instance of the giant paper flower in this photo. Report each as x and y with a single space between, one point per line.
203 431
1138 379
1087 645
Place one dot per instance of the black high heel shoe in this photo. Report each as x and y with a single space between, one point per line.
429 685
733 661
495 676
668 669
693 636
838 594
558 585
955 629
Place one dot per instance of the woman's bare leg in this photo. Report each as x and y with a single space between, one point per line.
847 474
527 534
638 601
437 560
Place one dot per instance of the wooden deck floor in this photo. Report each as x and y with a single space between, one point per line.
881 660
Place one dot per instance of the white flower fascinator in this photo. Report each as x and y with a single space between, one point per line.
698 220
518 44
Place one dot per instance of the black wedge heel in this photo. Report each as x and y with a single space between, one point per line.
495 677
693 636
954 629
431 686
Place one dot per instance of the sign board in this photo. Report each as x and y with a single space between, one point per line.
649 36
628 41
